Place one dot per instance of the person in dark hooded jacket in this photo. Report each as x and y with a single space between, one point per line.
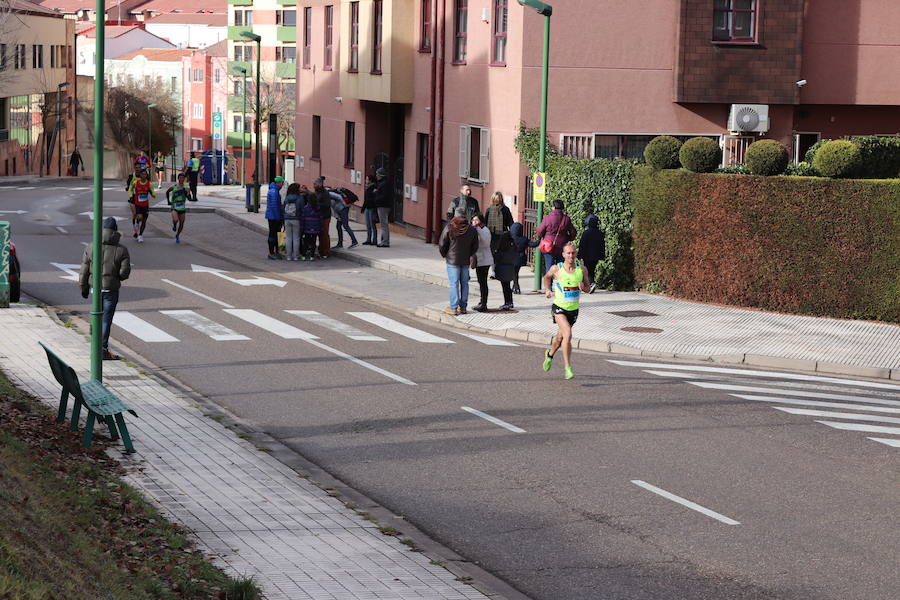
458 244
115 265
592 248
522 244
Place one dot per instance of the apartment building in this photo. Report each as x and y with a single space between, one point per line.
37 82
434 90
206 89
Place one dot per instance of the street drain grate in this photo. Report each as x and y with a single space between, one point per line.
633 313
642 329
122 377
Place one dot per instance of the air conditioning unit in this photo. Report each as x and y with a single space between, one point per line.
749 118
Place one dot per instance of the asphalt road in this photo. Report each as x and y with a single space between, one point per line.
565 498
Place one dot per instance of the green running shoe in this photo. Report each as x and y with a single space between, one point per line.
548 361
569 373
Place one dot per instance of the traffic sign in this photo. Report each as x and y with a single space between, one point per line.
539 188
217 117
217 135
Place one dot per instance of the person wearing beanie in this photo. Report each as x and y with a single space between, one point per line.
592 248
116 267
383 203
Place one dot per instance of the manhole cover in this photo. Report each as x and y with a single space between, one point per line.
633 313
642 329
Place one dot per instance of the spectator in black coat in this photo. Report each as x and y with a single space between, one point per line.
383 203
522 245
370 211
323 204
592 248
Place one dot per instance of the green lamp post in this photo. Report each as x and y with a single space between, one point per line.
59 127
256 166
243 71
546 11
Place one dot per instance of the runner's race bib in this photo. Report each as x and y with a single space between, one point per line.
179 204
143 199
571 294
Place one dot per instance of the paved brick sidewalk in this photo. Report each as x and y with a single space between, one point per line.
252 514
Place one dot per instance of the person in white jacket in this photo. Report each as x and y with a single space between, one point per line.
483 260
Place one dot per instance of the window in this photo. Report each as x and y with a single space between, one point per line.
53 48
196 145
460 28
422 158
197 75
627 146
217 75
349 144
243 18
238 87
37 56
243 53
240 125
307 36
474 153
501 11
198 111
286 18
735 21
316 137
329 39
354 37
425 27
286 54
2 59
377 28
20 57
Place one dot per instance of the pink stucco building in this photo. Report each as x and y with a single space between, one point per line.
434 90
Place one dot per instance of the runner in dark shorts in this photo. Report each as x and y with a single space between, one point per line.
570 315
564 282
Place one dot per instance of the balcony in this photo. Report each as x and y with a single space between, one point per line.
234 139
234 32
236 103
286 70
287 2
287 34
238 63
394 83
240 2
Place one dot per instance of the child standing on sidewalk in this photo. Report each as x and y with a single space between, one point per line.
312 226
522 244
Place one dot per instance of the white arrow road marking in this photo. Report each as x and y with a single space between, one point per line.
828 414
140 328
13 212
279 328
61 229
685 502
216 331
493 420
333 324
865 428
399 328
888 441
775 399
72 270
90 215
244 282
204 296
488 341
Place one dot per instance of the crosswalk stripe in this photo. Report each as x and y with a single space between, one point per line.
208 327
865 428
803 394
775 399
754 373
889 442
279 328
399 328
828 414
333 324
140 328
488 341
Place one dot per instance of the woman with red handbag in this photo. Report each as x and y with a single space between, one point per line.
555 231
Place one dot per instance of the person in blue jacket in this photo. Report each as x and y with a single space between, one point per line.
274 216
522 245
592 248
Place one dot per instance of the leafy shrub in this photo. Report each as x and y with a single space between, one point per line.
700 155
810 155
838 158
879 157
733 170
766 157
802 169
662 152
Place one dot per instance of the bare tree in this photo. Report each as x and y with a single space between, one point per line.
275 97
130 118
10 24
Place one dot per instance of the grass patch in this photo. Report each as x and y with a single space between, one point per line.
71 528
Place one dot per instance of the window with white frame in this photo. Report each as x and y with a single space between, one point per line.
240 125
611 145
196 145
198 111
243 18
217 75
474 153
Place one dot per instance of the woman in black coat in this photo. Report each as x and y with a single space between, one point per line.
370 211
506 266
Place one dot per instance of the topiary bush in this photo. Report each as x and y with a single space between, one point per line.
662 152
810 155
879 157
837 158
700 155
766 157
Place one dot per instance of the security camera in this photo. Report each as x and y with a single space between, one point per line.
801 83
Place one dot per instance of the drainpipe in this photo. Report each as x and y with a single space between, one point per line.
438 110
429 214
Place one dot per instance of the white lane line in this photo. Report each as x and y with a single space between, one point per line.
889 442
493 420
333 324
204 296
77 189
794 385
216 331
360 362
775 399
141 329
685 502
828 414
802 394
399 328
271 325
865 428
752 373
61 229
488 341
25 188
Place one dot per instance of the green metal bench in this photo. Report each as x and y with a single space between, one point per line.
100 402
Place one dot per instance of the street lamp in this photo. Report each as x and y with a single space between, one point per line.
150 133
546 11
59 88
256 167
243 71
97 203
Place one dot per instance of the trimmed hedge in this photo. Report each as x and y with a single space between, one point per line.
766 157
700 155
591 186
838 158
879 157
662 152
793 244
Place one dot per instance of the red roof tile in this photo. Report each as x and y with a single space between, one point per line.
159 54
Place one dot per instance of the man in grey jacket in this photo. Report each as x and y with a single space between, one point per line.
116 267
466 202
458 244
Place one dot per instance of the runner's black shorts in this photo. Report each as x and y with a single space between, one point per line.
571 315
160 169
141 210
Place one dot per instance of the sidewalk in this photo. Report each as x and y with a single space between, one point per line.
665 327
253 512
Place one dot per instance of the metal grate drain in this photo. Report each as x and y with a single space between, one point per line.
642 329
633 313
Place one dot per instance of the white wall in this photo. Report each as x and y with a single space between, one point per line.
188 35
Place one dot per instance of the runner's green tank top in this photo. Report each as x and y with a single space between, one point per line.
566 288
